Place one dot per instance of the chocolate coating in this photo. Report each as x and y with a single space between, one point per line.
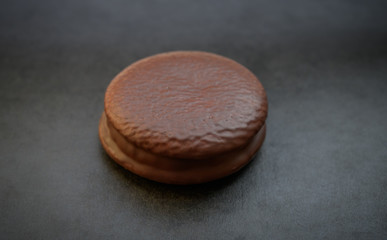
184 117
189 105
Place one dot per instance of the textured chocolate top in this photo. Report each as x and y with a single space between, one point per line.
186 104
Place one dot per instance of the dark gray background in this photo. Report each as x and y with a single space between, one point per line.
321 173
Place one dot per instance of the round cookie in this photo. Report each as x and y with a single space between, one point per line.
184 117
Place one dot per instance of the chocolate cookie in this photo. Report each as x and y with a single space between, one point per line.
184 117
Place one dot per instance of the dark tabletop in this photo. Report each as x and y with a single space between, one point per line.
321 173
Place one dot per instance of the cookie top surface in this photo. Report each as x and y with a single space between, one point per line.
186 104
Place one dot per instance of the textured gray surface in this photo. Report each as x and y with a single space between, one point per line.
321 174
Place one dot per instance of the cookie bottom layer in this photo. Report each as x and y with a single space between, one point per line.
175 170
